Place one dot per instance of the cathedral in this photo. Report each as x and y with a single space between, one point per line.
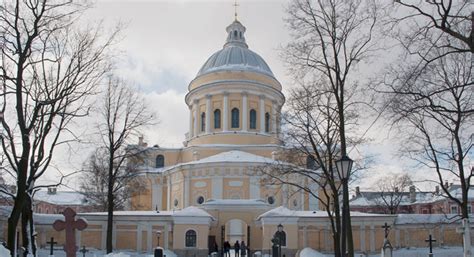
212 189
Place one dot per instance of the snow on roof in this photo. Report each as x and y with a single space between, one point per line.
241 202
234 156
426 218
285 212
60 197
192 211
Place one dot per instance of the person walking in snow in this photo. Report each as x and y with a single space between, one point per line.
237 248
243 249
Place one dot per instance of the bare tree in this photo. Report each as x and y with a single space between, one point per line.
94 182
433 105
121 114
330 39
422 23
49 67
391 191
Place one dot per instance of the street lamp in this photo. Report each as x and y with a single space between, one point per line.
344 167
158 234
280 231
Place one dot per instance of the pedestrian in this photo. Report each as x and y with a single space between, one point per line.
226 249
243 249
237 248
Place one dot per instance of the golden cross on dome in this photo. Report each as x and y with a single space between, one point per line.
235 6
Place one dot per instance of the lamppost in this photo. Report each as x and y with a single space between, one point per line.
344 167
158 234
280 231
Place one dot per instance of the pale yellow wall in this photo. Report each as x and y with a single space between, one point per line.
179 233
195 191
236 192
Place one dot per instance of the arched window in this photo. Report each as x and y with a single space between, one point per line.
267 122
281 235
253 119
217 119
203 121
160 161
310 162
235 34
191 238
235 118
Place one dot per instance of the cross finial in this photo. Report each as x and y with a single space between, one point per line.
235 9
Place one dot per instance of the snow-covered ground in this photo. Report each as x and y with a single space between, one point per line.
412 252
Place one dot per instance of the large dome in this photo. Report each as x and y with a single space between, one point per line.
235 56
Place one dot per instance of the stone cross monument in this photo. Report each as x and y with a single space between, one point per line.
69 225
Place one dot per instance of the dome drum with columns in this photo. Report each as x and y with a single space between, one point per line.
235 98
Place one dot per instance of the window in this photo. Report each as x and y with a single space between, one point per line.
267 122
200 200
253 119
310 162
469 209
454 209
160 161
203 121
235 118
281 235
217 119
190 238
271 200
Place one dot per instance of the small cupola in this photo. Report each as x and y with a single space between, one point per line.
236 35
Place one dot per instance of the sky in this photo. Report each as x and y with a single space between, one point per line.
163 45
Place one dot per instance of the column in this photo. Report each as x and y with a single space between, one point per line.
156 195
273 119
217 187
244 111
362 238
149 242
139 238
254 187
372 238
226 112
186 192
103 235
196 117
208 114
166 239
168 193
262 114
191 134
305 237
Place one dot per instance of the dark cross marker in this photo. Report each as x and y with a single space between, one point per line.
430 240
386 227
51 243
83 251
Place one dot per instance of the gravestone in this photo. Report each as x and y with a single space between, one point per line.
387 246
70 224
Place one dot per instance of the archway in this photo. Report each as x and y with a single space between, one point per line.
236 230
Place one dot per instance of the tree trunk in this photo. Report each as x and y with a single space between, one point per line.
110 205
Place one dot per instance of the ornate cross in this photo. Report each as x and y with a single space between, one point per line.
51 243
83 251
430 240
70 224
386 227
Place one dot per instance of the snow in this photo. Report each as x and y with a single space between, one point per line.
425 218
240 202
192 211
101 253
4 251
285 212
60 197
234 156
308 252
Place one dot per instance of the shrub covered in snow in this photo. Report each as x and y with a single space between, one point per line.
308 252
